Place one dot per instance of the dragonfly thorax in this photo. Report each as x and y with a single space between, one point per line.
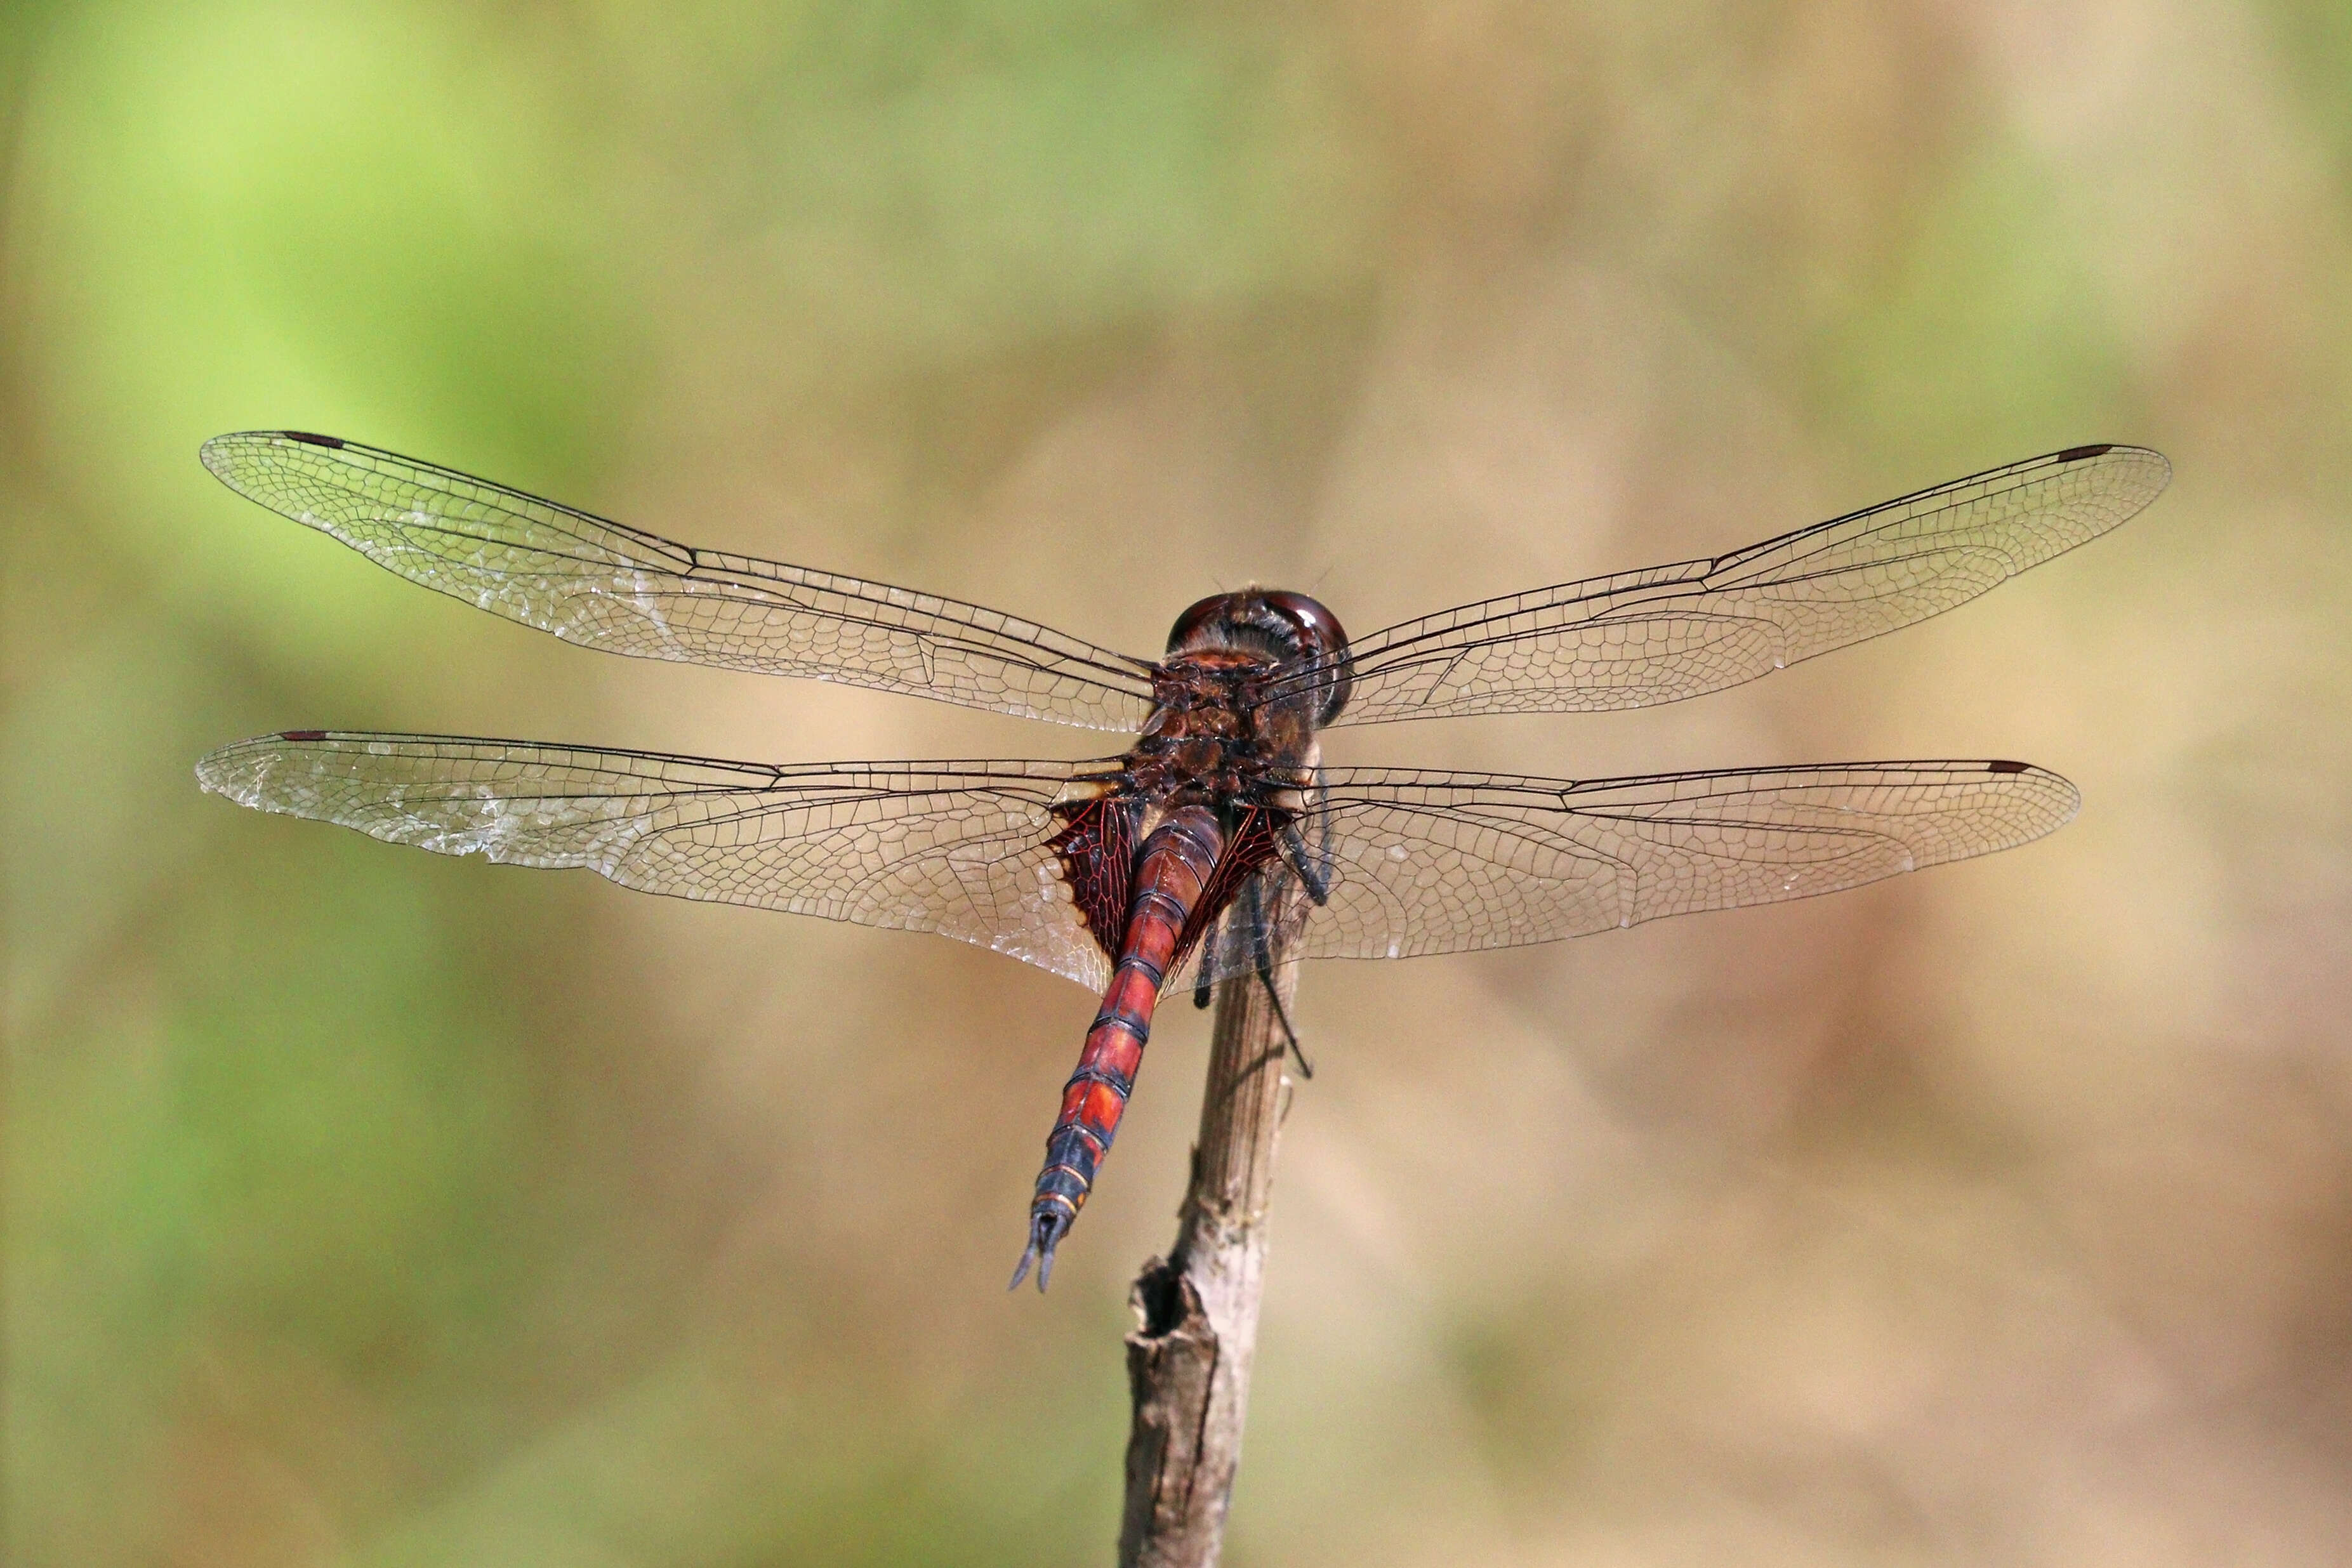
1224 721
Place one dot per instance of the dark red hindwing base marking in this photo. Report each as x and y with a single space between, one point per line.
1098 852
1252 843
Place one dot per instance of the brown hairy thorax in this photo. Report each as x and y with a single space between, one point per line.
1231 719
1222 729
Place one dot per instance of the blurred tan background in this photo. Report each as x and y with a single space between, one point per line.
365 1207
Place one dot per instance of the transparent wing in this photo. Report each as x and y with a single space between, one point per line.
1676 631
1445 862
608 586
1267 915
958 848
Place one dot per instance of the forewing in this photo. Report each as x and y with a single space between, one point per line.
958 848
1445 862
608 586
1674 631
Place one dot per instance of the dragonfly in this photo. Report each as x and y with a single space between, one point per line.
1219 844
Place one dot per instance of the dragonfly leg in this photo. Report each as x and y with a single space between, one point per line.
1203 986
1262 950
1313 870
1314 875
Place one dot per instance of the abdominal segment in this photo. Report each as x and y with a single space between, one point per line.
1170 874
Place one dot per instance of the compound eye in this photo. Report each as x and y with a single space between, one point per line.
1320 627
1215 609
1322 641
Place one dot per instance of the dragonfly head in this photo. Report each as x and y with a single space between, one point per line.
1293 630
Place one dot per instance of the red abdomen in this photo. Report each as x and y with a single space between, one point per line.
1170 874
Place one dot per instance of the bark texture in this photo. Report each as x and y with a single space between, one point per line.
1188 1363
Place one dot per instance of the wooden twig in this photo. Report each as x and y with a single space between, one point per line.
1188 1361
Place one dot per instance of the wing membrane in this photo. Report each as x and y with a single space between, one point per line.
608 586
1444 863
1674 631
957 848
1267 915
1419 862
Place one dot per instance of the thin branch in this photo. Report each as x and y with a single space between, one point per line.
1188 1363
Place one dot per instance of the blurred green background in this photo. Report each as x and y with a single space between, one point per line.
365 1207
